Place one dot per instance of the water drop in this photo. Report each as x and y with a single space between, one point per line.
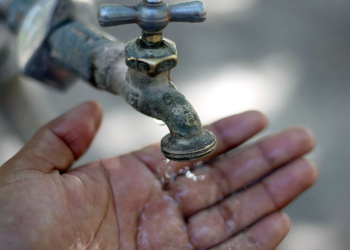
199 164
166 173
159 122
195 178
184 170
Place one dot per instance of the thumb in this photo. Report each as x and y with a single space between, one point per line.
57 145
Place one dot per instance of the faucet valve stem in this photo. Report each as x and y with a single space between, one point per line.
153 2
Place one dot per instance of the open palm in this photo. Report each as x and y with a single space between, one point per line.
119 203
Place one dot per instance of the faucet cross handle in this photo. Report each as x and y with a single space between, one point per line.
152 16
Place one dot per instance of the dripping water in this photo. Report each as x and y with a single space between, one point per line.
167 173
159 122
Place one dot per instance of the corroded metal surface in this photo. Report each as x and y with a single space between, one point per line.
55 48
158 97
148 86
79 48
151 60
34 21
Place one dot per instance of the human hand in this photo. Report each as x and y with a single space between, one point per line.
119 203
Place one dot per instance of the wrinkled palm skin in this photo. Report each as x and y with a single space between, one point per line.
118 203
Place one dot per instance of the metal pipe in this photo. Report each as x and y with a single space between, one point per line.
88 54
55 48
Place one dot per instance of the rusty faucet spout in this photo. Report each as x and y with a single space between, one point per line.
158 97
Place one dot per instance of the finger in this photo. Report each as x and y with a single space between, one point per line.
241 210
230 132
61 142
267 234
232 173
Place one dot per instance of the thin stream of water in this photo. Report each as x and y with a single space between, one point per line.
167 173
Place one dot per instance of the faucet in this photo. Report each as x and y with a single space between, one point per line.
55 47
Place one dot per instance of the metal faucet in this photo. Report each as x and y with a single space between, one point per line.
55 48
